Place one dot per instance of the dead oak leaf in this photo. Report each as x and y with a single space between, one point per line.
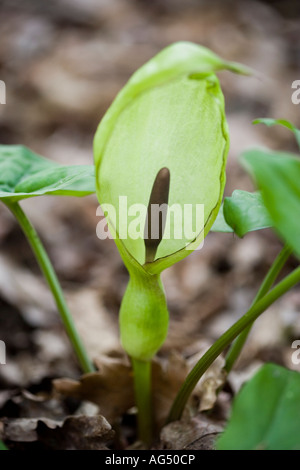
206 390
74 433
23 429
78 433
199 433
111 387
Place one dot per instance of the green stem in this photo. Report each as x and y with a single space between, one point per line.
143 398
218 347
266 285
51 278
144 322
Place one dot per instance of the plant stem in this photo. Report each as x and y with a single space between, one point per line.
266 285
54 285
218 347
142 389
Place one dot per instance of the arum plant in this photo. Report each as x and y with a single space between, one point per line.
162 144
24 175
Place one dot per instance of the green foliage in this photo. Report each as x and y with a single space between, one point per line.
281 122
277 175
243 212
266 413
25 174
3 446
220 224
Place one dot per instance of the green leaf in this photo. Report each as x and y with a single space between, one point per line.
241 213
169 114
266 413
245 212
277 174
220 224
24 174
281 122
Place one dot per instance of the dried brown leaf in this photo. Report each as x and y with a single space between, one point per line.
111 388
24 429
74 433
206 390
78 433
197 433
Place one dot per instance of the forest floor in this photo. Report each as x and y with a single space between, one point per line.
63 62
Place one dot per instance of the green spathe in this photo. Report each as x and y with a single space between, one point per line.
163 139
169 114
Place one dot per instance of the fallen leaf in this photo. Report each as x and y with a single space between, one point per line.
74 433
24 429
111 387
210 382
197 433
78 433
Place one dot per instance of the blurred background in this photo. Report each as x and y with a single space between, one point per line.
63 63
